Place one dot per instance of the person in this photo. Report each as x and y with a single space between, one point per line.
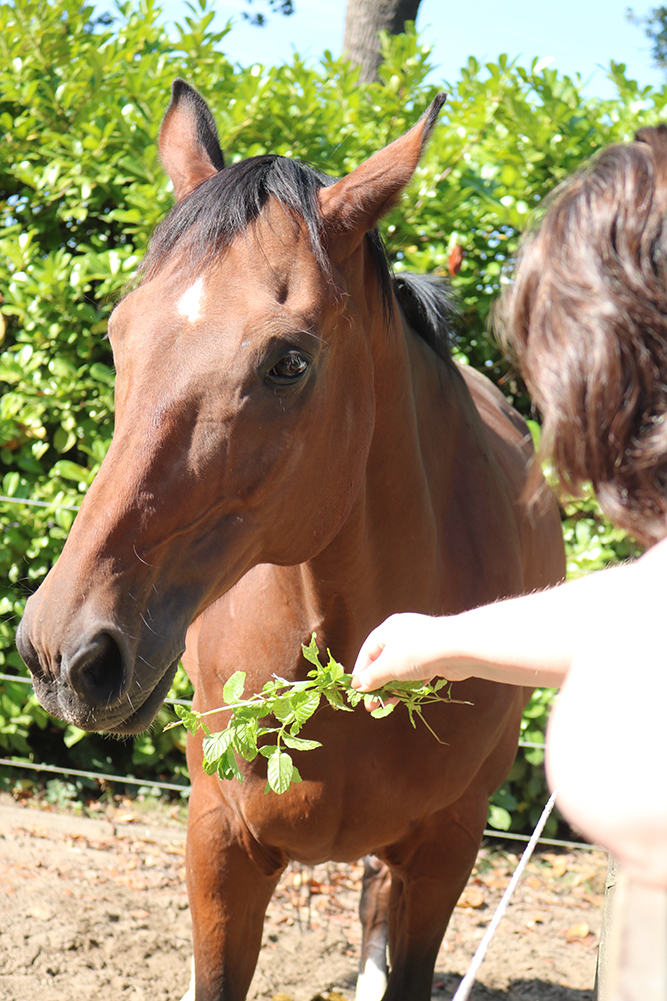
587 318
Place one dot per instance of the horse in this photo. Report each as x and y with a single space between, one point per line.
295 452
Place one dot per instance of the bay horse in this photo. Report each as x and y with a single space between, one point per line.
294 452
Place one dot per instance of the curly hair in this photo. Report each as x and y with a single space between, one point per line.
587 319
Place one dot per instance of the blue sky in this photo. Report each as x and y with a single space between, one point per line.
581 35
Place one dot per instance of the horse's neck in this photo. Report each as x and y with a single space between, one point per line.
387 555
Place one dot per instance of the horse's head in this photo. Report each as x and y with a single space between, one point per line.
244 412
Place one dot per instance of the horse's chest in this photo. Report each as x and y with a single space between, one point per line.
370 784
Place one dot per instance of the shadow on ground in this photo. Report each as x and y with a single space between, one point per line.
518 990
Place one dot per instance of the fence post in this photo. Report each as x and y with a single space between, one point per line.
633 963
601 970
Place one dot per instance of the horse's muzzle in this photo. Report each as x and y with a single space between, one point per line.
96 683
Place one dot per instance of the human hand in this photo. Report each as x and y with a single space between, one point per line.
405 647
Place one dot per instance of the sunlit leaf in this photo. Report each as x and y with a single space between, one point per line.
279 772
233 689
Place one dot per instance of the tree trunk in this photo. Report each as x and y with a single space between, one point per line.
364 19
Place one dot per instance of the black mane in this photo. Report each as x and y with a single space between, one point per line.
430 306
205 223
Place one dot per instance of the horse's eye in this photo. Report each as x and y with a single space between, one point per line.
290 367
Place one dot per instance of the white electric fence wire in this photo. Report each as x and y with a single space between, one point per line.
464 988
37 503
127 779
185 790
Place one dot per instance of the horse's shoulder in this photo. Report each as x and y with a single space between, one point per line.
510 443
496 412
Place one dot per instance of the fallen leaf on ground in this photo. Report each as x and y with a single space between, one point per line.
560 865
577 931
332 996
472 896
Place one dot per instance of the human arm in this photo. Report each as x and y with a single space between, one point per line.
529 640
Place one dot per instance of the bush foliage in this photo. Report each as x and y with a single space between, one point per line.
81 99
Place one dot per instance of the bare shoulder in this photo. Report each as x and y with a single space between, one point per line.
635 590
652 568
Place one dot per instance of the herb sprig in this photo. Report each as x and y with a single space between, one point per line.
291 704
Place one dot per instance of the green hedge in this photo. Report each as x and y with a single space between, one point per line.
81 98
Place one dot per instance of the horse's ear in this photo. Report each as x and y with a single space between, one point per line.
189 147
353 205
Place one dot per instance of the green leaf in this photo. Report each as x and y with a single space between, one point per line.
72 471
228 767
245 740
73 735
335 671
10 483
248 711
354 697
64 440
383 711
279 772
299 743
215 745
305 704
233 690
282 709
211 767
190 720
335 700
311 652
102 373
499 818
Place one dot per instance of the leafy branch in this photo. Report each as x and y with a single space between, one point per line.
291 704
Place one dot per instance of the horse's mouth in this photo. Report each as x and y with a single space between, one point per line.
142 717
124 718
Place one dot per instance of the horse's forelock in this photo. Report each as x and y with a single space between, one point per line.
203 225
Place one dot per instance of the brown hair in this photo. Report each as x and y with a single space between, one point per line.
587 319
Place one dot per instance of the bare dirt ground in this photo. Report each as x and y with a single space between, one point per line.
97 909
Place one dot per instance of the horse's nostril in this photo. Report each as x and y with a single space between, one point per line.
96 672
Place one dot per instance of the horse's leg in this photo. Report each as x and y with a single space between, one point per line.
230 882
373 911
429 873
